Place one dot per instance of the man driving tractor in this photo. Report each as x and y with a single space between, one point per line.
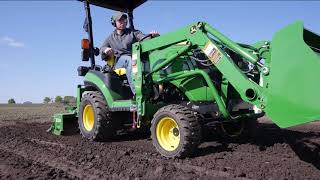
177 96
118 44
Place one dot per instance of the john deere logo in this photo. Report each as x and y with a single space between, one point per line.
193 29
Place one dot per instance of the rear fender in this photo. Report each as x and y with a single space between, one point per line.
104 84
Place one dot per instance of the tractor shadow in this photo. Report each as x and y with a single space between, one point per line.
306 145
133 135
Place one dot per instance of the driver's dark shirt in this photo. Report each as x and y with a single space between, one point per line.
122 44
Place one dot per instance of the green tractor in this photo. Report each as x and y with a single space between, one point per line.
193 78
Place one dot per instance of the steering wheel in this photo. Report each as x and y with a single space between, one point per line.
145 37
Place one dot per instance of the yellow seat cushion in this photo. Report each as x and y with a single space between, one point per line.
110 61
120 71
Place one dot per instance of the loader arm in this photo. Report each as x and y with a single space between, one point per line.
196 36
211 42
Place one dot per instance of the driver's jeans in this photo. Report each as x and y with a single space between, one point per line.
124 61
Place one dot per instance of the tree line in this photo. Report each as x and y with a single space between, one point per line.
60 99
57 99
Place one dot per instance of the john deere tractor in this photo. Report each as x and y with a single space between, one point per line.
192 78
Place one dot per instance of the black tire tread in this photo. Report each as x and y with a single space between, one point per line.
189 125
103 129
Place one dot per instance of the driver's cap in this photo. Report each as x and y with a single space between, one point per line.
119 15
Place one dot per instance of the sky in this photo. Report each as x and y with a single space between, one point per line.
40 40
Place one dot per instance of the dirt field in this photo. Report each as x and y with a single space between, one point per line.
27 151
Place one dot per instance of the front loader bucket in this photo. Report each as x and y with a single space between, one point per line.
293 83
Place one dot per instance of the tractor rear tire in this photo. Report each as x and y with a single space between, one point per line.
95 121
175 131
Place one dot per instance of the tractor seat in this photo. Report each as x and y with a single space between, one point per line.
120 71
110 61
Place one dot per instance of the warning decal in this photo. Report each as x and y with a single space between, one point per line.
134 69
134 63
212 52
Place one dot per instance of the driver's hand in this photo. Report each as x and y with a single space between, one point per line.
108 51
154 33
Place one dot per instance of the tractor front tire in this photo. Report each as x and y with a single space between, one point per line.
175 131
95 121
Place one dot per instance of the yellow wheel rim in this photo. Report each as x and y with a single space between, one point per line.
88 117
168 134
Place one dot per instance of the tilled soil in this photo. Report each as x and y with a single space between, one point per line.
27 151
